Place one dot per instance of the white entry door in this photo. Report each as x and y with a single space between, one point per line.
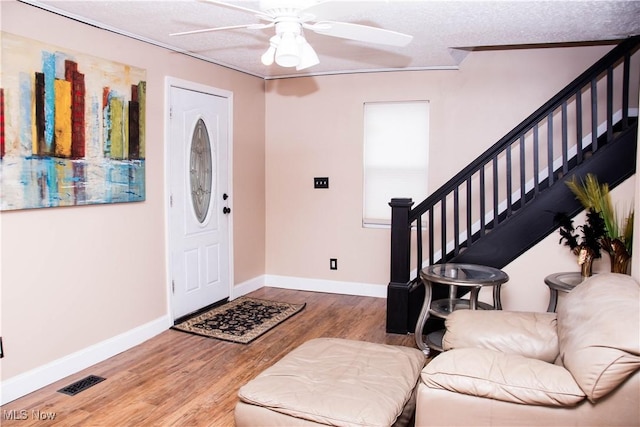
199 218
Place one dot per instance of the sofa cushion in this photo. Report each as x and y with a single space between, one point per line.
507 377
339 382
525 333
599 332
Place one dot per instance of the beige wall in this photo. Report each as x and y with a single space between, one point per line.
73 277
314 128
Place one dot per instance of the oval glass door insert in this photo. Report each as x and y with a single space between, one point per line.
200 167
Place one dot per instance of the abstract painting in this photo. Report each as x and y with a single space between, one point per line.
72 127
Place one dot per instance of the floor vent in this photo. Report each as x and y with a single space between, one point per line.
81 385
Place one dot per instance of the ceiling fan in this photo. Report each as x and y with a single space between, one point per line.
288 47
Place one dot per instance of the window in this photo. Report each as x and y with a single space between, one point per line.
396 156
200 168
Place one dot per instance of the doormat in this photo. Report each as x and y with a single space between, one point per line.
241 320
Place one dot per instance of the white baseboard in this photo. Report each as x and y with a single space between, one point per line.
27 382
247 287
306 284
328 286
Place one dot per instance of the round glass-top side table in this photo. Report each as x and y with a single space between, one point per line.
563 282
455 275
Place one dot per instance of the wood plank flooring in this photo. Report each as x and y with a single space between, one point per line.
179 379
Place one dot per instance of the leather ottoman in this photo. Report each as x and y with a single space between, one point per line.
332 381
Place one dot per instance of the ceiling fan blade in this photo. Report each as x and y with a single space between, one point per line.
232 27
363 33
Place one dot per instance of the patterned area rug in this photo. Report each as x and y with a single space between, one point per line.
241 320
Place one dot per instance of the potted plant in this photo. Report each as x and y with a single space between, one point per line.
617 237
586 247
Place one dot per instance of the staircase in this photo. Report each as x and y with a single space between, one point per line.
505 201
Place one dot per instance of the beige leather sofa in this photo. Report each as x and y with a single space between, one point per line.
577 368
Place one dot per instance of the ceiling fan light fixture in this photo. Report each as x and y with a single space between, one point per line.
268 57
288 47
308 56
288 51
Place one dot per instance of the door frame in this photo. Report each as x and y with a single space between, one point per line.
228 95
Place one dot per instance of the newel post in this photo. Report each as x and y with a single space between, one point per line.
398 289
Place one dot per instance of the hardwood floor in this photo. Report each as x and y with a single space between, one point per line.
179 379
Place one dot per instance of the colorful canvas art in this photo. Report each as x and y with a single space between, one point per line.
72 128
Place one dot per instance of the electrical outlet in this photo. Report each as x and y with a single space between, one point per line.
322 182
333 263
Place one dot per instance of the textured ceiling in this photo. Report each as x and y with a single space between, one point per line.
443 31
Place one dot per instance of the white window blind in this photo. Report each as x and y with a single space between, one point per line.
396 156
